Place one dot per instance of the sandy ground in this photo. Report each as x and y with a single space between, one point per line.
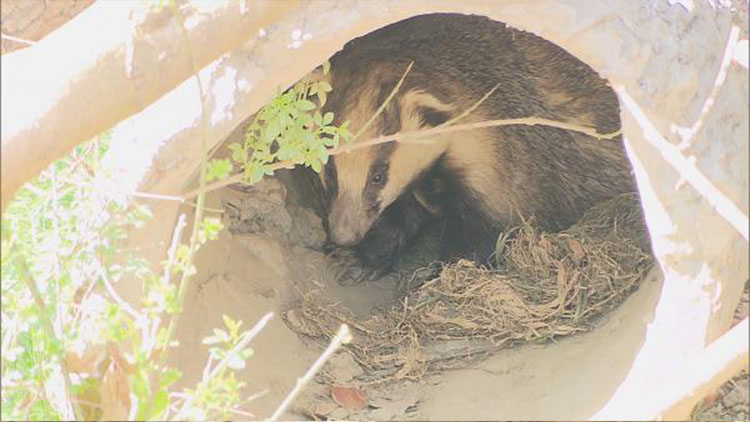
246 275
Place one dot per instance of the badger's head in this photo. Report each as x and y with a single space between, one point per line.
362 183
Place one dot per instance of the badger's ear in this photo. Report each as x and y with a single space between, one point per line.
424 110
432 117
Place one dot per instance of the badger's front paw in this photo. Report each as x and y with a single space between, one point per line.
348 269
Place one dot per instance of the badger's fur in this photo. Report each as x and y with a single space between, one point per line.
474 182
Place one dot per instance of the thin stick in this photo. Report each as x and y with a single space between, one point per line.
384 105
172 251
470 109
73 409
412 137
343 336
156 196
16 39
182 288
524 121
235 178
248 336
119 300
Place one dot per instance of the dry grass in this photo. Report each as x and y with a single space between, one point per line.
547 285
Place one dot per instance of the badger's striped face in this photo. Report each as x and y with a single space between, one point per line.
364 182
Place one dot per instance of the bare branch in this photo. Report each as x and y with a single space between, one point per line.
382 107
105 79
414 137
343 336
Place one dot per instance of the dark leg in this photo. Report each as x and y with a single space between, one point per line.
467 233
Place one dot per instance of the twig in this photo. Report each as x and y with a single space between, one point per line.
58 240
73 409
343 336
240 412
172 251
16 39
413 137
524 121
120 301
157 196
248 336
686 168
208 209
470 109
236 178
186 274
384 105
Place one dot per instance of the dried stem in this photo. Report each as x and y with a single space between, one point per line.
382 107
414 138
208 376
343 336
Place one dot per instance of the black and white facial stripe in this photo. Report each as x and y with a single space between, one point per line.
377 178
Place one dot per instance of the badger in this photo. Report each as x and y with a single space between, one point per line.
473 183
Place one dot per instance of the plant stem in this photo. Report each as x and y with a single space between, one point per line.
414 137
186 272
247 337
74 409
343 336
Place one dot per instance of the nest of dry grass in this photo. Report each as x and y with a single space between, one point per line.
547 285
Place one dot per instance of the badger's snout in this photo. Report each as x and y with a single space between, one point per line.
347 225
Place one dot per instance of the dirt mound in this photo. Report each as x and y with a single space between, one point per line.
545 285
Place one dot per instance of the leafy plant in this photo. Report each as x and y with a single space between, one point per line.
71 347
290 129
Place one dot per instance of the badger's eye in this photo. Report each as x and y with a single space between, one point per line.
376 179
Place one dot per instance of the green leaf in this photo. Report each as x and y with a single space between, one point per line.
327 118
305 105
169 377
272 130
232 325
325 86
210 228
219 169
239 154
313 89
221 335
158 405
247 353
326 67
211 340
236 362
322 98
256 173
140 388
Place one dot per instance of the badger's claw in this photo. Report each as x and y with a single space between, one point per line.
348 269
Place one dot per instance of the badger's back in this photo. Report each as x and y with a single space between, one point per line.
550 173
